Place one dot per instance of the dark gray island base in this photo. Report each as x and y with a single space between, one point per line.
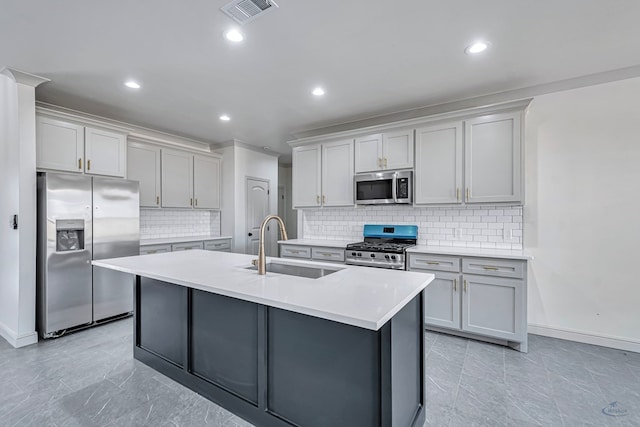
275 367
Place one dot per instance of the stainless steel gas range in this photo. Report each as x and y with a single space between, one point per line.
383 246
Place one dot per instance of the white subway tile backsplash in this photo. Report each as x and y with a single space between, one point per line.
480 226
162 223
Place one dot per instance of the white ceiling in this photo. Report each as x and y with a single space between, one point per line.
373 57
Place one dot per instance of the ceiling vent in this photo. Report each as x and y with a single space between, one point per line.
244 11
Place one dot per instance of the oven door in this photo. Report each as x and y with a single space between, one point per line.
374 188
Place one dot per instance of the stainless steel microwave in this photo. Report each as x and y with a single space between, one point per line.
388 187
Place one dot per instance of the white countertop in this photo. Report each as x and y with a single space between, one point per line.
359 296
169 240
476 252
312 242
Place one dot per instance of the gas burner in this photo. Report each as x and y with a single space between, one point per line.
383 246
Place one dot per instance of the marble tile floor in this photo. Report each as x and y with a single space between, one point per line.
90 379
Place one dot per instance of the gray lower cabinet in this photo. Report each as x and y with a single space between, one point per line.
154 249
476 297
314 253
187 246
221 245
442 301
218 245
493 306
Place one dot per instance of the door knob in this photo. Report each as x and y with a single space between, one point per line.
250 234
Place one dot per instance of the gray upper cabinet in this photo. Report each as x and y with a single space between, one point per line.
337 173
70 147
177 179
190 181
438 172
59 145
389 150
323 174
306 176
143 165
493 159
105 152
368 153
397 149
206 182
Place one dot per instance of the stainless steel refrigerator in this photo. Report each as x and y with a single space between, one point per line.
82 218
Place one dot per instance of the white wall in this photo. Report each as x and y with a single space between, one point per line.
9 238
582 221
18 193
290 215
250 163
239 163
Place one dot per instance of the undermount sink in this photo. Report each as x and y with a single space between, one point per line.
297 270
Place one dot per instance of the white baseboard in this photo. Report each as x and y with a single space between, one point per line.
587 338
16 340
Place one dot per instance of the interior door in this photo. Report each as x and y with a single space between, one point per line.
257 210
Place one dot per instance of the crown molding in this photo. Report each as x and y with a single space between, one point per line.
239 143
132 131
23 77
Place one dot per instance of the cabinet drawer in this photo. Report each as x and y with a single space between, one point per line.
154 249
291 251
187 246
494 267
327 254
434 262
217 245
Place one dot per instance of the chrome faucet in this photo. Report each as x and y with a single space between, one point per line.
261 262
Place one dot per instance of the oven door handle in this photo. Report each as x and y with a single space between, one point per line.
394 187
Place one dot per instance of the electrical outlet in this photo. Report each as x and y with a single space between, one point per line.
507 233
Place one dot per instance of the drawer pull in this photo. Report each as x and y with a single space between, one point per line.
80 163
455 285
325 253
88 165
433 262
465 286
486 267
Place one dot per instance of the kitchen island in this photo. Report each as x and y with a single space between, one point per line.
346 348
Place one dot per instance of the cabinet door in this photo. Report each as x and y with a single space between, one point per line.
206 182
306 176
493 306
59 145
442 301
438 169
368 153
105 152
143 165
493 162
337 173
177 179
397 150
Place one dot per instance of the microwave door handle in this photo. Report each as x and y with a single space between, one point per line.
394 187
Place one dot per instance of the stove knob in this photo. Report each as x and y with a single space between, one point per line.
393 257
359 253
353 254
373 255
386 257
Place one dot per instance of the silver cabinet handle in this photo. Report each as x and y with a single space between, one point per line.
486 267
433 262
465 286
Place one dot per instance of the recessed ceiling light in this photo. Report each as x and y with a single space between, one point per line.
318 91
225 118
234 36
477 47
131 84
